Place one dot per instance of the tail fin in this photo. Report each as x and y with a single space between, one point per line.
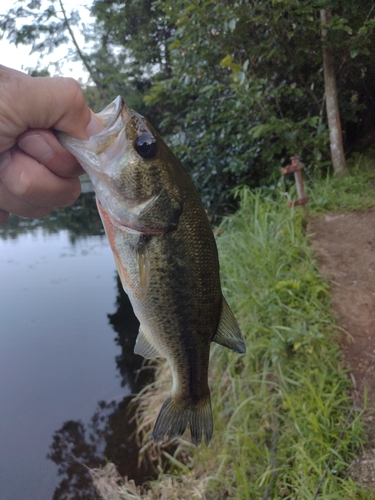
174 417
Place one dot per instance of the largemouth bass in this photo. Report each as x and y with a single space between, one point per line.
166 257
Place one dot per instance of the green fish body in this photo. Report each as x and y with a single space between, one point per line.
166 256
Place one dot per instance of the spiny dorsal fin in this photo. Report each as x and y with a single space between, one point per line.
144 348
228 333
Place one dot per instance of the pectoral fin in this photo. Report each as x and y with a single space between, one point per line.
144 348
120 269
228 333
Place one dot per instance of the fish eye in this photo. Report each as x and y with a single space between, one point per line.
145 146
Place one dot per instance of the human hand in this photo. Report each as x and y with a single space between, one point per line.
36 172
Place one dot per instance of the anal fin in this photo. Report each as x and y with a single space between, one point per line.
144 348
228 333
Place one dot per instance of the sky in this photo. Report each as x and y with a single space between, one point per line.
19 57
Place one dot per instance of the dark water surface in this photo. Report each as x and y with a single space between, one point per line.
67 366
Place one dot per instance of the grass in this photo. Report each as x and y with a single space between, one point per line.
280 409
350 193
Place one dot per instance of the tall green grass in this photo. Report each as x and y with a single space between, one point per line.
280 409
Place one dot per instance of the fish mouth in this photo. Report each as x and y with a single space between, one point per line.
109 115
114 118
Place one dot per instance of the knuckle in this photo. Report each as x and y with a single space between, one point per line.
76 93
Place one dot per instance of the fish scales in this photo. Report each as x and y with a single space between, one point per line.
166 257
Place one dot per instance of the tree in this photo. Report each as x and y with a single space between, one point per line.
333 113
243 95
247 89
135 35
236 87
113 50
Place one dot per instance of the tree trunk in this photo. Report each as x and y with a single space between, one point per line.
333 113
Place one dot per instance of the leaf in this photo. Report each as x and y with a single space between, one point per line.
226 62
232 24
258 131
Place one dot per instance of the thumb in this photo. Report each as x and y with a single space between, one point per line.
59 103
41 103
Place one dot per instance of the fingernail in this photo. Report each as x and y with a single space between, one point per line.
95 126
36 146
5 158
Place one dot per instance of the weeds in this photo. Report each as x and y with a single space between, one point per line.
290 383
349 193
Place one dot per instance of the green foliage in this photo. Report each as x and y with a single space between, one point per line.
228 108
130 47
235 86
246 87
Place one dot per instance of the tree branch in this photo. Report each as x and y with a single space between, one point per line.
79 52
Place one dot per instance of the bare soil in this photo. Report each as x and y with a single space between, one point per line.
344 246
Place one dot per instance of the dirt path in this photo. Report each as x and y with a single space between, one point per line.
344 245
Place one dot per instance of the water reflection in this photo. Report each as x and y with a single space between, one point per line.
58 290
126 325
110 435
81 220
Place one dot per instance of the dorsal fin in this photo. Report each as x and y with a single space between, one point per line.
228 333
144 348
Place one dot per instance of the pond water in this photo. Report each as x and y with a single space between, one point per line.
67 367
